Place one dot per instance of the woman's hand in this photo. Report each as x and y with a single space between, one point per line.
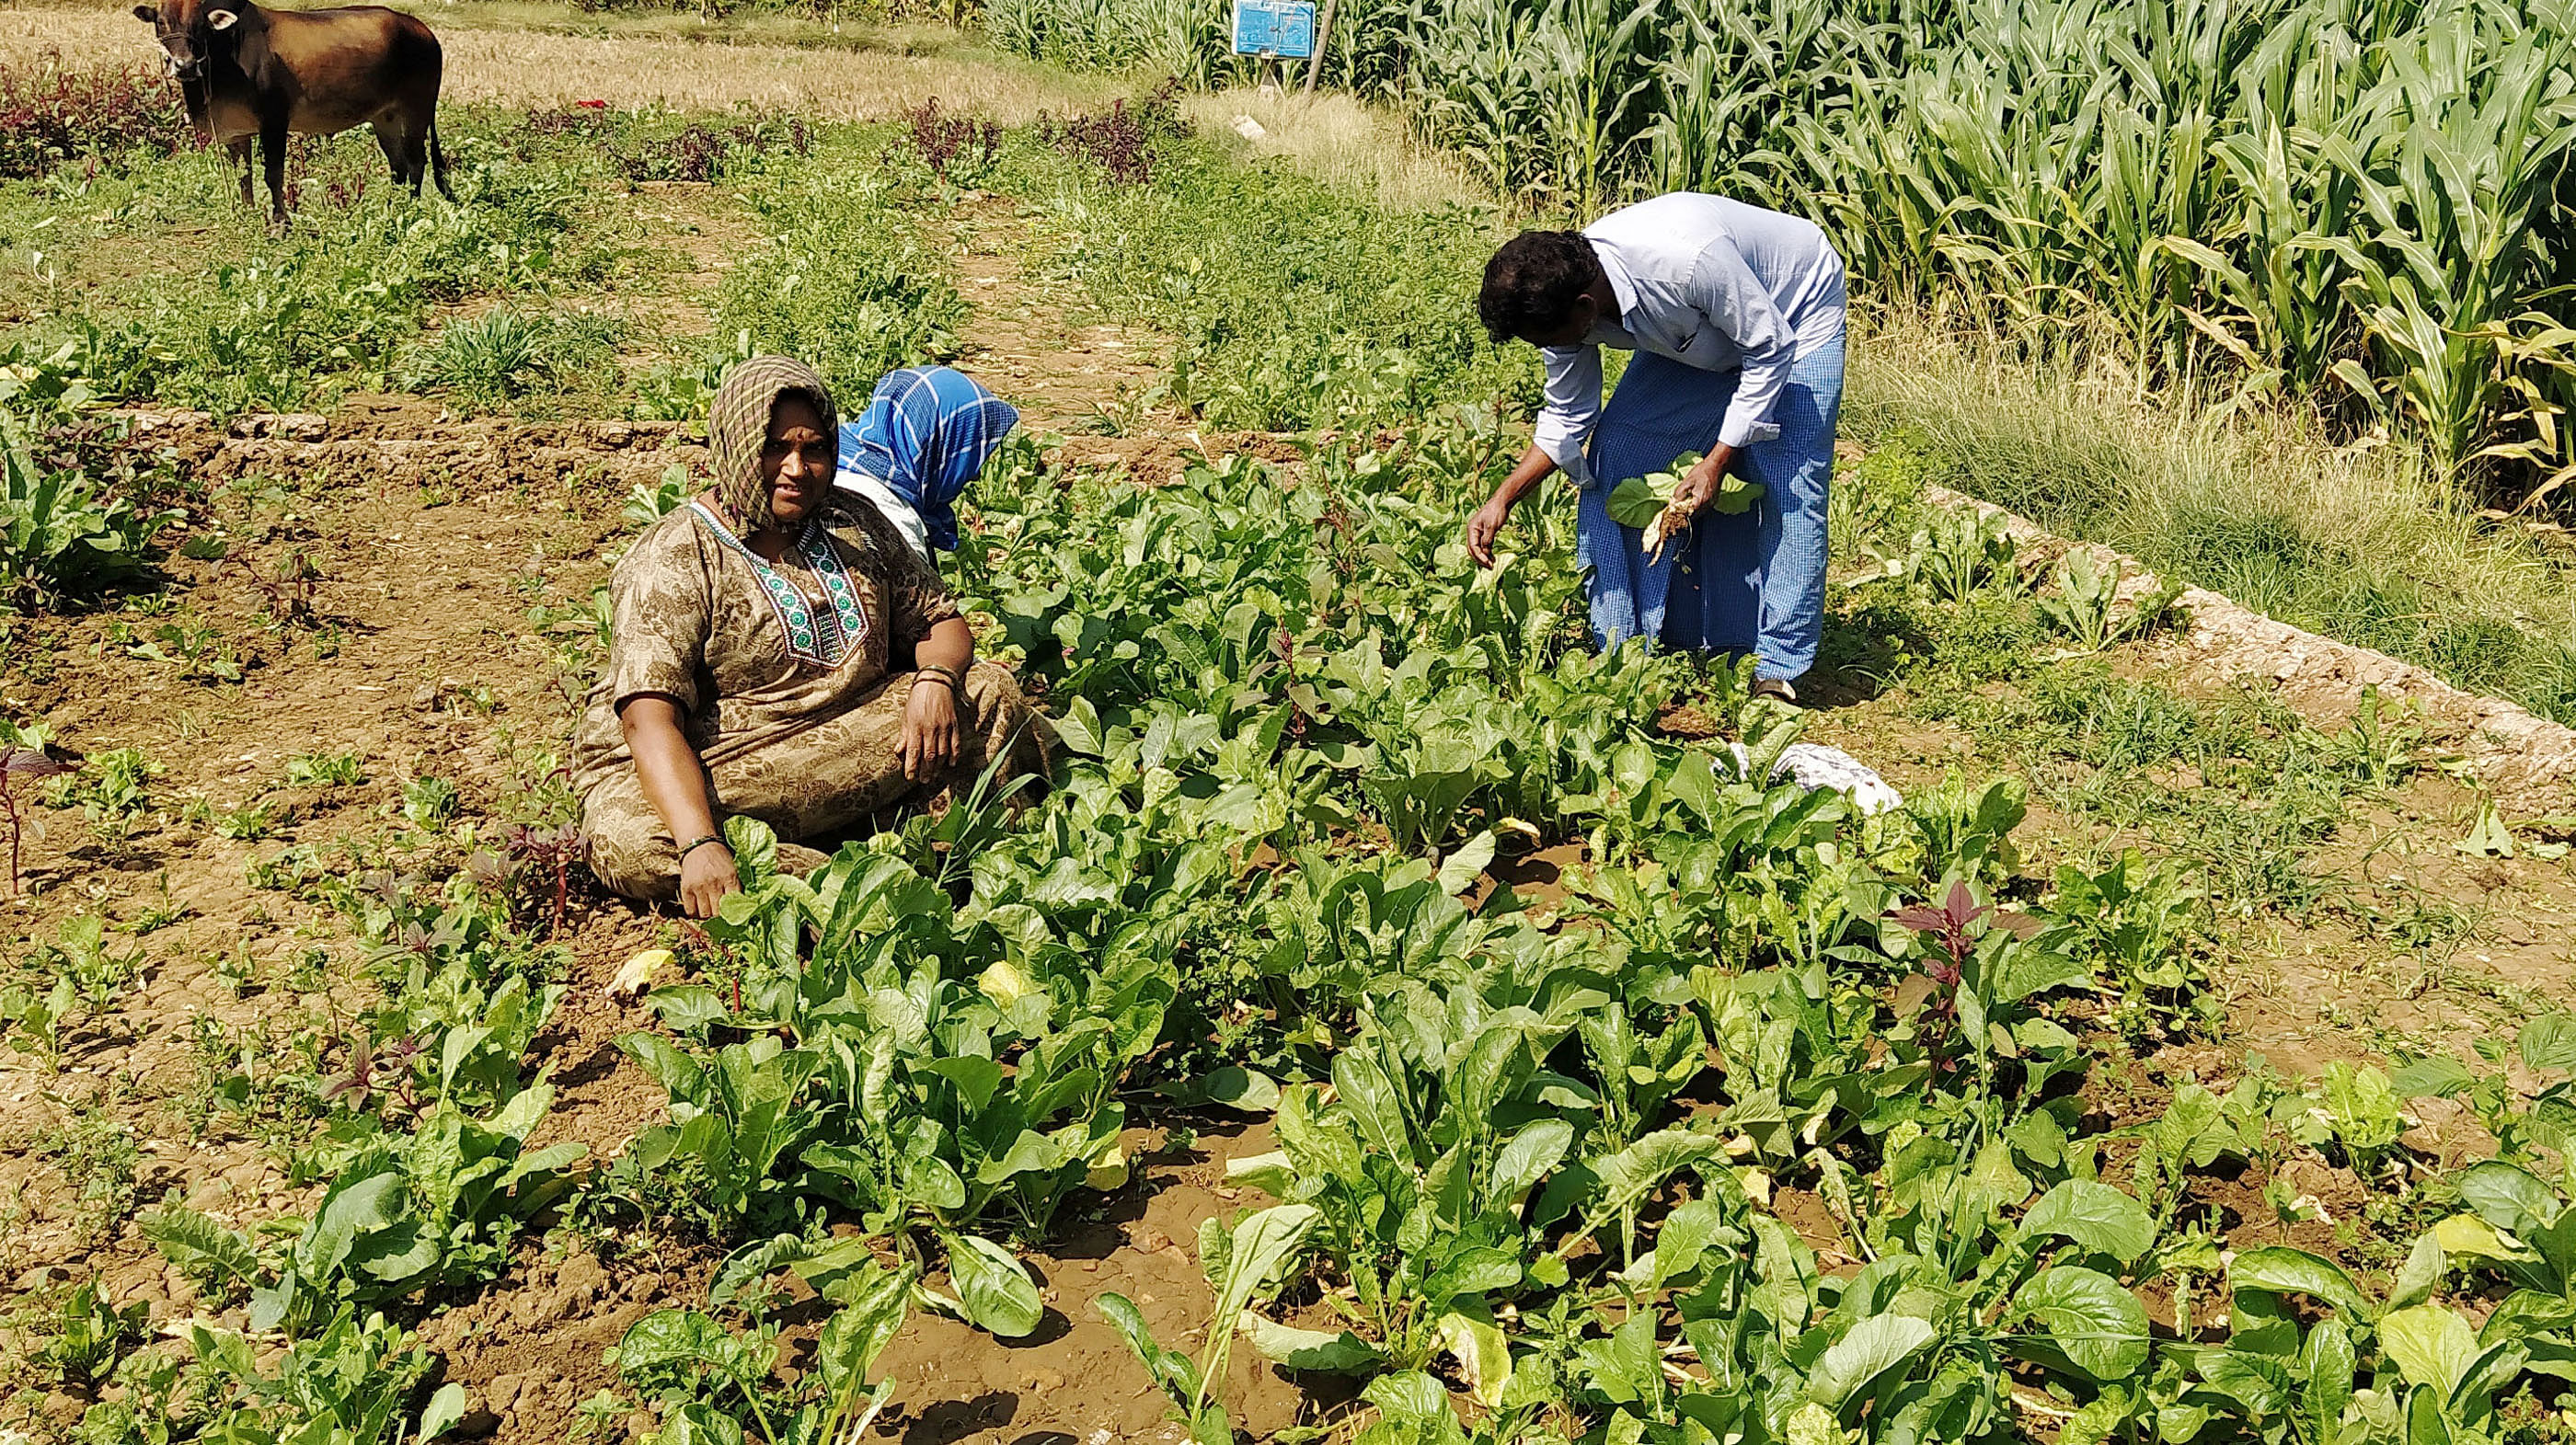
675 783
706 876
1535 466
930 729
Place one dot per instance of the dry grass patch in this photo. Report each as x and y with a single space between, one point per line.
521 67
1342 142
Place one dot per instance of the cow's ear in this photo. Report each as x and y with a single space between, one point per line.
222 19
147 14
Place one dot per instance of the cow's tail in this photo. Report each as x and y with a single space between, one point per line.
438 157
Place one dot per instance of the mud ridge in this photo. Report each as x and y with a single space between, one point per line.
2526 761
406 447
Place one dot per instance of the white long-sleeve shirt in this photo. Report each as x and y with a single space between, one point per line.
1713 283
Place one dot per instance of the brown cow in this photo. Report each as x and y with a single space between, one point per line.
249 72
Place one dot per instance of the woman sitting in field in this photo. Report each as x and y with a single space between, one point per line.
778 651
927 433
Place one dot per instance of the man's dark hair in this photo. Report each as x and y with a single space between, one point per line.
1534 281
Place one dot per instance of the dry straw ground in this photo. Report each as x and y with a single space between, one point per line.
537 68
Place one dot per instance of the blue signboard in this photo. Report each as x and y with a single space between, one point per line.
1284 28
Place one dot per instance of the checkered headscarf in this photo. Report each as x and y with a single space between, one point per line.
738 428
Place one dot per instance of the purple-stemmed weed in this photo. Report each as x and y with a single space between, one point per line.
19 766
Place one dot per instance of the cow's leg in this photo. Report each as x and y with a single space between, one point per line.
416 156
390 141
241 157
272 155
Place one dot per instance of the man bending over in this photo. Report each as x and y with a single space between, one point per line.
1735 318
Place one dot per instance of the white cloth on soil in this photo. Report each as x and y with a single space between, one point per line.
1813 766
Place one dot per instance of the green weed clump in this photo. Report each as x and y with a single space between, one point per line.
842 280
492 360
77 509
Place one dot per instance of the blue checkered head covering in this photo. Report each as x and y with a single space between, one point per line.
927 433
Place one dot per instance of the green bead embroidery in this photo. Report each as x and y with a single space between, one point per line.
820 640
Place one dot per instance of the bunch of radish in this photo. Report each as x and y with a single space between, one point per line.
1647 502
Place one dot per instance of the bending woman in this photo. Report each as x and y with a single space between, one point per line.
780 652
925 436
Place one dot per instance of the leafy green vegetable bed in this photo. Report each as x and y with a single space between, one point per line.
1530 1160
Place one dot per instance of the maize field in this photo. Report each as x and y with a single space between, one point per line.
2362 202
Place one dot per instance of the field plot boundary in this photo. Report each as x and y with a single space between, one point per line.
2527 761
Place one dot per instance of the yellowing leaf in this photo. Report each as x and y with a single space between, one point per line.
2466 1234
1107 1169
1756 1184
636 975
1484 1356
1004 984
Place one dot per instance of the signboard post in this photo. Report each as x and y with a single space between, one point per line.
1274 30
1323 37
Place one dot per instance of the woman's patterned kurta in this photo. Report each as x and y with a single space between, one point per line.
805 746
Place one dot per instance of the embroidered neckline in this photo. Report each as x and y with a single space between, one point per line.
820 639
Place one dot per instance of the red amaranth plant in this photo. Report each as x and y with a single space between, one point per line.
695 153
369 1073
554 850
51 114
289 587
20 766
1120 141
1948 928
955 146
